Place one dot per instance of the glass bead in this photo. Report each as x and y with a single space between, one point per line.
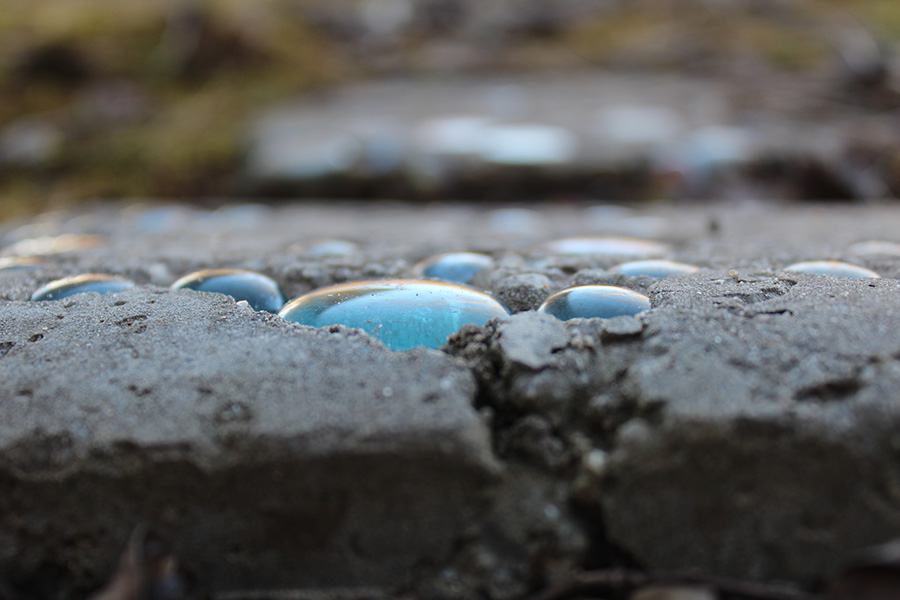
608 246
456 267
331 248
833 267
80 284
594 301
403 314
20 263
257 290
874 248
654 268
61 244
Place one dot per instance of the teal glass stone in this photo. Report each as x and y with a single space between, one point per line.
594 301
331 248
456 267
874 248
80 284
257 290
20 263
658 269
60 244
608 246
403 314
833 267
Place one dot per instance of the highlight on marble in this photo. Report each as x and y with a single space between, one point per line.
835 268
656 268
594 302
20 263
608 246
325 248
403 314
456 267
259 291
60 244
874 248
97 283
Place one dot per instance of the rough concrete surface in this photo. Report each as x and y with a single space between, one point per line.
745 426
273 444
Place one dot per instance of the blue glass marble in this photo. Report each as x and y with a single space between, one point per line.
80 284
594 301
332 248
654 268
257 290
20 263
833 267
608 246
874 248
456 267
61 244
403 314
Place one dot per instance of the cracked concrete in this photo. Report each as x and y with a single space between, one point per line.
240 435
745 425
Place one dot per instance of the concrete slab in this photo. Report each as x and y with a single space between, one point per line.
745 425
272 454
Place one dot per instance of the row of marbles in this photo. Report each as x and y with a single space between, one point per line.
462 267
409 313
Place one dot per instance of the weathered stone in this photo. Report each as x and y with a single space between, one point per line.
522 292
745 425
530 338
774 437
273 454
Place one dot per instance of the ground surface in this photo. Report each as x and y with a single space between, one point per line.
745 426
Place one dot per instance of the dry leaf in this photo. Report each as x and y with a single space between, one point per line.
872 574
147 571
674 592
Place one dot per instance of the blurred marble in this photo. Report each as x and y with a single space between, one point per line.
594 301
259 291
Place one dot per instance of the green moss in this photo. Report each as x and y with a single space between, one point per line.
790 47
598 39
190 142
250 54
787 44
882 16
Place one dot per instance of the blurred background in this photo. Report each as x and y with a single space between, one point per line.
421 100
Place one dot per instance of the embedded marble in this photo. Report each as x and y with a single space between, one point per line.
403 314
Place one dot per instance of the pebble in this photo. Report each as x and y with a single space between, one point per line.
259 291
403 314
594 301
